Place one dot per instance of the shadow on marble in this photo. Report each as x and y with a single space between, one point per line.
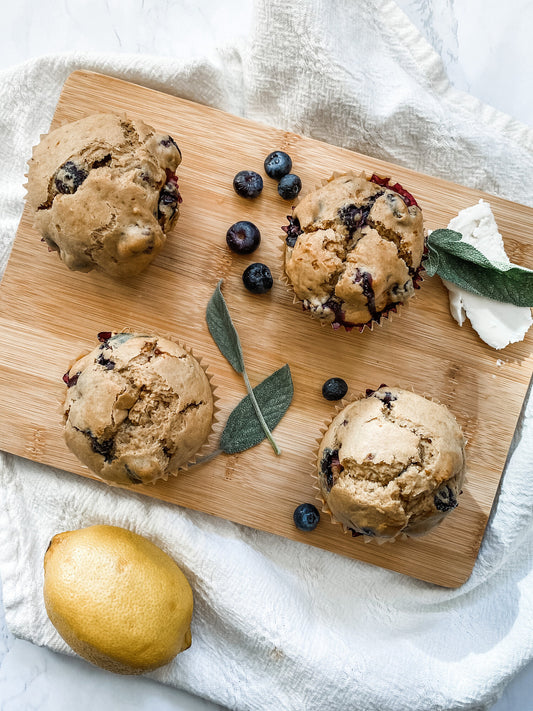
33 677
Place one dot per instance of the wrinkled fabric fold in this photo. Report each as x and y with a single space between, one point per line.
277 624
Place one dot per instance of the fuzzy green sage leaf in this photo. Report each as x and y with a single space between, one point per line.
243 430
227 339
464 265
223 331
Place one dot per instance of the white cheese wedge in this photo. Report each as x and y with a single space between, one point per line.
497 324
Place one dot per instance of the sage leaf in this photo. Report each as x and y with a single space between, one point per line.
223 331
227 339
243 429
464 265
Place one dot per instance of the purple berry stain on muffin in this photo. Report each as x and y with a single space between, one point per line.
387 398
104 336
293 231
365 279
104 447
445 499
70 381
397 188
106 362
169 141
330 467
169 199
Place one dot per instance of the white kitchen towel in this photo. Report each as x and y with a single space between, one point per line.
281 625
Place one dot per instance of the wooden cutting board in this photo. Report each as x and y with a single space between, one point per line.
48 315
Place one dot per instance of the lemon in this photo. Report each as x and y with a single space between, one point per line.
117 599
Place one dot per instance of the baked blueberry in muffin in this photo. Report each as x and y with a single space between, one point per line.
104 192
353 249
392 462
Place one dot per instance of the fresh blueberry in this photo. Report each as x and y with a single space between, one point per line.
306 517
334 389
243 237
257 278
289 186
277 165
248 184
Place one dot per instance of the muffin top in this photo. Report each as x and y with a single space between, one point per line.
103 192
392 462
353 249
137 408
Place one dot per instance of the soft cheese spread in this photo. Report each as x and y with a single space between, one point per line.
496 323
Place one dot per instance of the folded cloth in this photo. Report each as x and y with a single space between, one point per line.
281 625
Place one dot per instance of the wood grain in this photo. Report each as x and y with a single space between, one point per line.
48 315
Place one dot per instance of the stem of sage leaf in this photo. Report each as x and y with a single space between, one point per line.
206 458
259 414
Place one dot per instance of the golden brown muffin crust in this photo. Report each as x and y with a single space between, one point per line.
137 408
103 192
391 462
355 250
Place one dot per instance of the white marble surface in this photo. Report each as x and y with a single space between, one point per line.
487 51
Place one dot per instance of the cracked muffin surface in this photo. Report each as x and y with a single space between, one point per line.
353 249
391 463
103 192
137 408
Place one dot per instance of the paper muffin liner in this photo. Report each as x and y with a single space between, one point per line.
209 441
387 313
319 496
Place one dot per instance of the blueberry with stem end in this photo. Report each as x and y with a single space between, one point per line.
248 184
277 164
243 237
257 278
306 517
334 389
289 186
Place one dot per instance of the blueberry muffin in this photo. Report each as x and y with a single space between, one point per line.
391 463
137 408
104 192
353 249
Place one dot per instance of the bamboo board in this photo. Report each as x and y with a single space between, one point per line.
48 315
